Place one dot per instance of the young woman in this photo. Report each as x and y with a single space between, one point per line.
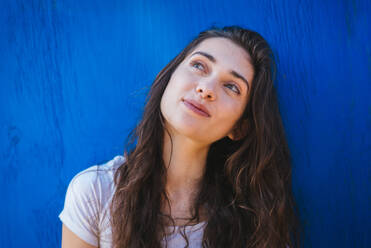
207 166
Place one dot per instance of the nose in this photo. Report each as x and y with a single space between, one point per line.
206 91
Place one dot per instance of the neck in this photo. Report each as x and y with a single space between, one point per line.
185 161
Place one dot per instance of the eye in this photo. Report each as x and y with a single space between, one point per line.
233 87
197 65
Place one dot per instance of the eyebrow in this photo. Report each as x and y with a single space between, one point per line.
232 72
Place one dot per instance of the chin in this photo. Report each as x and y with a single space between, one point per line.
194 133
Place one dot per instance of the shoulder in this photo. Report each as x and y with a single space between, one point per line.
90 190
87 197
98 172
96 181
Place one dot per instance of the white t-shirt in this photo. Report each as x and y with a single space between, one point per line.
86 208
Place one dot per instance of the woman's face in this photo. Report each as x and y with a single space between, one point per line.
215 77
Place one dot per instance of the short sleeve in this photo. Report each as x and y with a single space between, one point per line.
81 207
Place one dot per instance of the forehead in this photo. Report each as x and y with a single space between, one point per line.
228 55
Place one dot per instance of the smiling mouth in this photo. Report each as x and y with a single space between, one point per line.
195 109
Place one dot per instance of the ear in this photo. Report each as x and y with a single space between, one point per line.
240 130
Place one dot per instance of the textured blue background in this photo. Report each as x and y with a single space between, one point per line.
74 75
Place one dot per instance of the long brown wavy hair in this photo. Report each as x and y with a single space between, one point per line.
246 187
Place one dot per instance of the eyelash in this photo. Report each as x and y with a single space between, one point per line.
237 91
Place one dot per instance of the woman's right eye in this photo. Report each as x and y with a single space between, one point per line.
198 66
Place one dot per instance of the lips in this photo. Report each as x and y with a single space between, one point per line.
197 107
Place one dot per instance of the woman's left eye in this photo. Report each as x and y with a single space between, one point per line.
233 88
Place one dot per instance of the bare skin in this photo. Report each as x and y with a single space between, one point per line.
185 172
71 240
190 135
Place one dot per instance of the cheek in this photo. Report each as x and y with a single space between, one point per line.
229 113
175 90
180 83
231 107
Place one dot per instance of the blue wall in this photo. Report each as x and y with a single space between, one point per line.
74 75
